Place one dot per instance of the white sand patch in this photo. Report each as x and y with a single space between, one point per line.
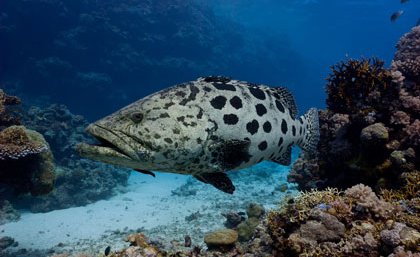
149 205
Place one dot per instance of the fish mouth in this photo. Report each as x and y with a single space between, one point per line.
113 147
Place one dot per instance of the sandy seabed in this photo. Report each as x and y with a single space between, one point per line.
148 206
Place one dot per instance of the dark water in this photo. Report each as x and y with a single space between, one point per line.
96 56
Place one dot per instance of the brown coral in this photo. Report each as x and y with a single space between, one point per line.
5 118
26 163
354 86
16 143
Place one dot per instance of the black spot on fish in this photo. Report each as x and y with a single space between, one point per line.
261 110
180 93
252 127
257 93
271 156
300 131
283 126
267 127
181 118
157 136
261 159
164 115
176 144
262 146
207 89
216 79
218 102
191 97
236 102
167 105
200 114
277 96
280 107
280 141
222 86
176 131
230 119
293 130
107 250
199 140
168 140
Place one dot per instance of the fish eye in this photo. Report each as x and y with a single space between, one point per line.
136 117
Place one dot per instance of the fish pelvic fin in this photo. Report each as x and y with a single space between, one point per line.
309 142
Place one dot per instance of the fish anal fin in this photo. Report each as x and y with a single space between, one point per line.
285 158
146 172
219 180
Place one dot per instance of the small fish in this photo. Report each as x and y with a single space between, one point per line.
404 1
204 128
107 250
396 15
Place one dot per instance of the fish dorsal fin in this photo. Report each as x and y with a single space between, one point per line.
231 153
217 179
286 97
284 158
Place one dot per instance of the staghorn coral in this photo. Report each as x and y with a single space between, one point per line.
407 57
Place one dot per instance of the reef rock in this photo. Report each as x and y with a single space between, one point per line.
26 163
221 238
7 212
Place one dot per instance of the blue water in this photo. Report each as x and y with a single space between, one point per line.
99 56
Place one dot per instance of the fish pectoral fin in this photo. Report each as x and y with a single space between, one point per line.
285 158
146 172
219 180
231 152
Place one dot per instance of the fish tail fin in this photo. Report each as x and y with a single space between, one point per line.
310 139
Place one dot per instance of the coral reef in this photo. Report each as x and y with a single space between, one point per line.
370 132
60 127
6 119
407 57
26 163
7 212
355 222
78 184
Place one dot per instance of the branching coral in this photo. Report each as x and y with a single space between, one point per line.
357 85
